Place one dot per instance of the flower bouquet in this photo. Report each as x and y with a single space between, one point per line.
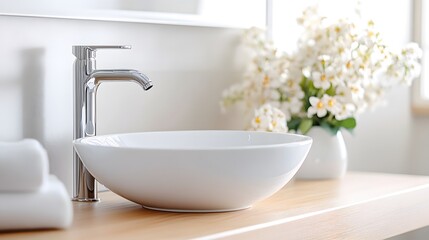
340 68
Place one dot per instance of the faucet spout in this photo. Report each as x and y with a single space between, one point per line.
92 82
121 75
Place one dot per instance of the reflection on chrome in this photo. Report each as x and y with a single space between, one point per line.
86 81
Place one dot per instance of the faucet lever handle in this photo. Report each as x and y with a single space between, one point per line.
85 52
96 47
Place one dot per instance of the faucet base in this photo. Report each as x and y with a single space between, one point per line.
86 199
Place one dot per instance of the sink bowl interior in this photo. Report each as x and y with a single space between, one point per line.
195 171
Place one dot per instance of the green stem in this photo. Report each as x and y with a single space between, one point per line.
330 117
320 93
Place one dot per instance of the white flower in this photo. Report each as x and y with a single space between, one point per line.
343 93
270 119
331 75
320 80
357 92
346 110
291 107
317 107
412 51
295 104
331 103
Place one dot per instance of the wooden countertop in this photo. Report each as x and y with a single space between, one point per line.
360 206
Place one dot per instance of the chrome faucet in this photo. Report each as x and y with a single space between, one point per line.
86 81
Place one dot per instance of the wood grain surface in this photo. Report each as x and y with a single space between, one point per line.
359 206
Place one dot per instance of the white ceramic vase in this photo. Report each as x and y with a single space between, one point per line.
327 158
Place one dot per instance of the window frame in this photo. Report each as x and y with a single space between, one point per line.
420 103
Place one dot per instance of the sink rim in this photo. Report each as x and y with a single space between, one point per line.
302 140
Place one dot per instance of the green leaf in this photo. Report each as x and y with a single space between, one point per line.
348 123
294 123
332 129
303 82
305 125
331 91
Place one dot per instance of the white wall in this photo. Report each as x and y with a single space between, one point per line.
189 67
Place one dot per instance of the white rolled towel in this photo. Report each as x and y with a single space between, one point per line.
24 166
50 207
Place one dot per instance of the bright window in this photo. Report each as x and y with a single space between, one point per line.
421 35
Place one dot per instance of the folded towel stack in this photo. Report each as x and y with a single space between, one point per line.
29 197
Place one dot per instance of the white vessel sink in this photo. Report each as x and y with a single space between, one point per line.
194 171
